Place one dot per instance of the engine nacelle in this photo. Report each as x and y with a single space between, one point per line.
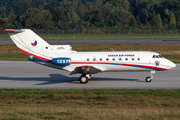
30 57
61 61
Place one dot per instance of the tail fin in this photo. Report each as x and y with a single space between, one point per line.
27 41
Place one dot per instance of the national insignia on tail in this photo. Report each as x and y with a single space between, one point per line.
33 42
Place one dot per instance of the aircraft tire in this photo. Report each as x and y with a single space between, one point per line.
83 79
148 79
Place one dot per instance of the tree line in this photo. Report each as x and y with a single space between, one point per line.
90 14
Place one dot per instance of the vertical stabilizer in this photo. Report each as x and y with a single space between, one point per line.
27 41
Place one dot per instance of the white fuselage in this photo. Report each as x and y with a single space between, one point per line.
113 61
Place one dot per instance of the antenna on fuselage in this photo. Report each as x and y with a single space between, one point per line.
112 49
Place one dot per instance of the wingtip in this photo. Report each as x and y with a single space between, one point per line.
9 30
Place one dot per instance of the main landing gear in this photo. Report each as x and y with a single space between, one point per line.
84 78
150 77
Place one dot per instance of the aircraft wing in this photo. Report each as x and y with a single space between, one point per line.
85 70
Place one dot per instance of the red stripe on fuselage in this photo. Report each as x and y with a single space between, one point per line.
145 66
24 52
27 53
41 58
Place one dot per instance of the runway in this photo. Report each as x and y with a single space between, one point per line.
105 41
26 74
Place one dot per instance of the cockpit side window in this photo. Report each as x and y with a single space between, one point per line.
157 56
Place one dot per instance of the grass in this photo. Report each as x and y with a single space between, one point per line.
158 92
169 51
89 104
4 37
14 57
102 36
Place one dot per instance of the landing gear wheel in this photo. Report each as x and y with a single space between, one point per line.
83 79
148 79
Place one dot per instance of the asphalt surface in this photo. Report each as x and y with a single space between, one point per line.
25 74
106 41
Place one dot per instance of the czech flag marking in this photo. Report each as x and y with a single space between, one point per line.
33 42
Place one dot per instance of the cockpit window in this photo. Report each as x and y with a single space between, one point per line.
157 56
160 56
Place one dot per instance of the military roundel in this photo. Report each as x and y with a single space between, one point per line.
33 42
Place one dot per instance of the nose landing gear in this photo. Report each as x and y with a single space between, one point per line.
150 77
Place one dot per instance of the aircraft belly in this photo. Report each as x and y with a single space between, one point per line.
107 67
51 65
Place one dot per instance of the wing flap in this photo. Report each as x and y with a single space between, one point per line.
85 70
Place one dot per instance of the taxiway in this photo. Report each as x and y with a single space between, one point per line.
26 74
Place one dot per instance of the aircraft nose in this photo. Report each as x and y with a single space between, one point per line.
172 65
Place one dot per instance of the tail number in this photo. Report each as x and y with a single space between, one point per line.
61 61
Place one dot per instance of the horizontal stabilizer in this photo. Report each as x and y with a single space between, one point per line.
12 30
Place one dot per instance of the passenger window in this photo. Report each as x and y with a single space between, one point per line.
94 59
100 59
120 59
113 59
138 59
132 59
126 59
88 59
107 59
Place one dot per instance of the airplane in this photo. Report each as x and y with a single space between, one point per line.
86 63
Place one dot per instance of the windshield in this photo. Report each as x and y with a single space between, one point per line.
160 56
157 56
